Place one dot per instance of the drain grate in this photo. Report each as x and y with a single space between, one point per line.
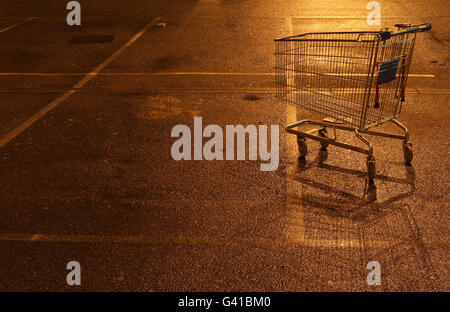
91 39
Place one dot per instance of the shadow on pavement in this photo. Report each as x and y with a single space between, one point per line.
346 226
349 203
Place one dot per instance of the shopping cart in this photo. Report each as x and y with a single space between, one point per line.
356 80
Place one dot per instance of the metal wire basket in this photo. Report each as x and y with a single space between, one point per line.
357 78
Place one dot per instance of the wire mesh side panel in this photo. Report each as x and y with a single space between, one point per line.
327 73
392 63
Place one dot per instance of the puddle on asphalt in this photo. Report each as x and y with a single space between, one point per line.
166 106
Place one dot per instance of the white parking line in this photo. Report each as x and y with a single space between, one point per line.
295 227
210 90
390 242
185 74
262 17
35 117
17 24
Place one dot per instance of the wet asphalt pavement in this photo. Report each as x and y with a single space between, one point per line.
93 179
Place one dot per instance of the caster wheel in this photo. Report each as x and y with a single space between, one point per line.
371 168
323 132
371 192
323 155
301 161
407 150
302 147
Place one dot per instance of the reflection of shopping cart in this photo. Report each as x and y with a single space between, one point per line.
355 79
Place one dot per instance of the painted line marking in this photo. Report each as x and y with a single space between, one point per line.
186 74
17 24
295 222
143 74
237 90
59 17
36 116
105 63
140 239
317 17
362 17
337 17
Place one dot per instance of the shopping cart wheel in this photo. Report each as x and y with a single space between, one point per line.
323 152
371 192
302 147
301 161
407 150
323 155
371 169
324 134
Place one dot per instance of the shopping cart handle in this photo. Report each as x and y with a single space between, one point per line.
384 35
424 27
